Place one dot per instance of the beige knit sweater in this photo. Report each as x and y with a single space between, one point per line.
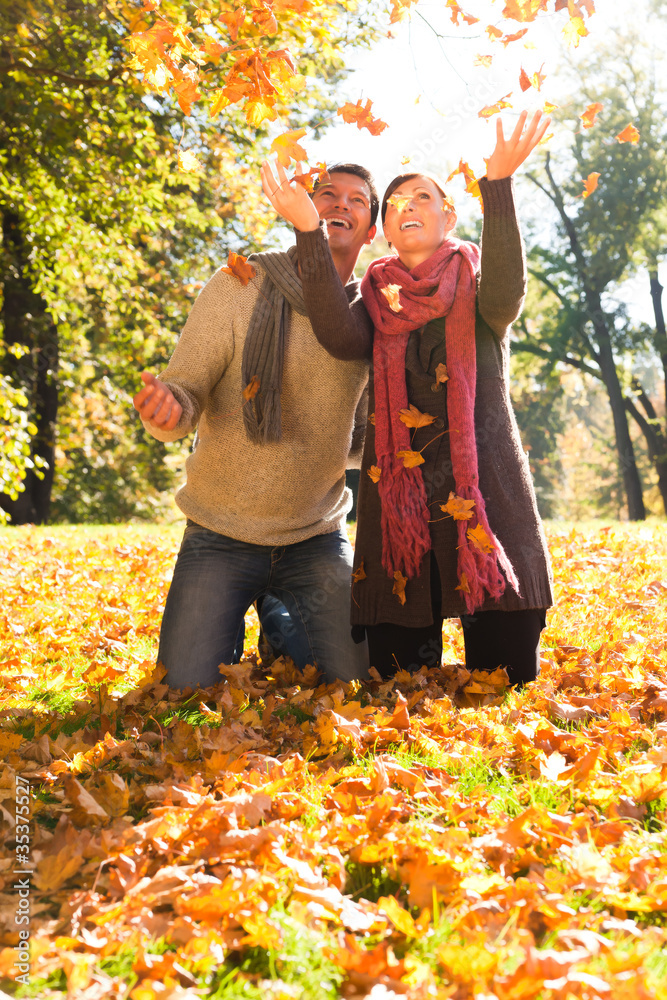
268 494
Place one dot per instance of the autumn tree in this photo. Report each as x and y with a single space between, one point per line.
606 189
117 196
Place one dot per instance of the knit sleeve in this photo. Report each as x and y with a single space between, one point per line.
336 313
502 285
202 354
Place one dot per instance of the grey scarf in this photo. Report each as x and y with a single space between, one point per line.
264 349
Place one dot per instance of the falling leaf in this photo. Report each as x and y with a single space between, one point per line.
412 417
317 173
456 12
441 374
629 134
507 39
405 160
359 574
391 294
460 509
399 201
251 389
188 162
480 539
375 472
400 9
287 148
361 116
548 107
463 584
574 31
590 115
410 458
522 10
590 184
494 109
484 61
238 266
534 80
399 586
471 182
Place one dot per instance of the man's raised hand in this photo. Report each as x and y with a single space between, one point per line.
157 404
289 200
510 153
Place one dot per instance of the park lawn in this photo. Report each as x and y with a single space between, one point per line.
436 835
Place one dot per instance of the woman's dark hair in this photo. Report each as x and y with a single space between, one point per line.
365 175
400 179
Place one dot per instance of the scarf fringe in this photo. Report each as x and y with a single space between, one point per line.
482 570
405 533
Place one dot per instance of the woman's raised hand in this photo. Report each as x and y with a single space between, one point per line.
510 153
289 200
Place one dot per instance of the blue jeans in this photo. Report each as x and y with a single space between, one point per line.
217 578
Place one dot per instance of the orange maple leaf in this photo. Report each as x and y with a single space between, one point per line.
484 61
463 584
375 472
456 13
286 147
460 509
238 266
410 458
493 32
399 585
441 373
480 539
317 173
590 115
360 115
523 10
400 9
391 294
506 39
413 417
472 184
629 134
494 109
360 573
535 80
549 107
590 185
251 389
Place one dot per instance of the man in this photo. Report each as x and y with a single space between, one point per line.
265 495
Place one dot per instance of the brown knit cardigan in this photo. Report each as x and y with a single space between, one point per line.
504 474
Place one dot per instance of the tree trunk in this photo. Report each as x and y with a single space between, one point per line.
27 324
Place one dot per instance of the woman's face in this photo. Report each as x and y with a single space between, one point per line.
417 220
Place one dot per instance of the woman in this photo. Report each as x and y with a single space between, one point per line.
447 519
448 524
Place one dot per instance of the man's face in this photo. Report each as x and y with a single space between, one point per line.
345 203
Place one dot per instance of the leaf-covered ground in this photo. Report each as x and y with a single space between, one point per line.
432 836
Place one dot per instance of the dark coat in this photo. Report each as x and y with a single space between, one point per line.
504 474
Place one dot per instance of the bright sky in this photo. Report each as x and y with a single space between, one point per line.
429 92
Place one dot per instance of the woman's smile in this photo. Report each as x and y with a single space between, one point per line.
418 220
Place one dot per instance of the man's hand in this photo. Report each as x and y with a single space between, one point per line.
157 404
289 200
510 153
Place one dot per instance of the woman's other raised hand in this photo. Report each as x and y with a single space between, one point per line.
510 153
291 200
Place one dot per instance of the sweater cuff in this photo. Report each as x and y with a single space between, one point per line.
311 241
498 196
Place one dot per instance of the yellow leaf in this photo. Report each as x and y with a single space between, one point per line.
287 148
391 294
410 458
399 585
480 539
460 509
412 417
399 917
188 162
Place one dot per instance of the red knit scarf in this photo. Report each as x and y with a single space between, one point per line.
443 285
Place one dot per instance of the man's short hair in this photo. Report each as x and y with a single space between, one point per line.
365 175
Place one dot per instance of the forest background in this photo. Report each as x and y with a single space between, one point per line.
123 187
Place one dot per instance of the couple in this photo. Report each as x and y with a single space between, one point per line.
448 525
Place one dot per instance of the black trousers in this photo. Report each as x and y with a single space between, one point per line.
492 639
